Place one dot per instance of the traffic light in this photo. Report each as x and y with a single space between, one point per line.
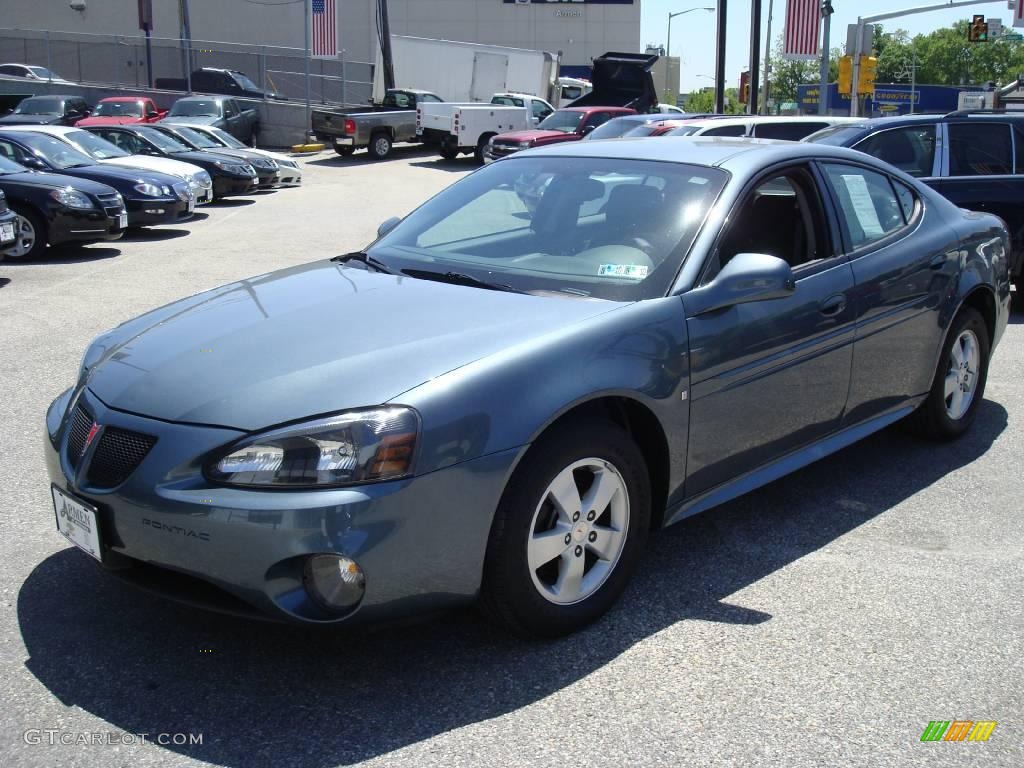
845 75
868 73
978 31
744 94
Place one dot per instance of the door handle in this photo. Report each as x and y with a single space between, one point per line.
937 262
833 305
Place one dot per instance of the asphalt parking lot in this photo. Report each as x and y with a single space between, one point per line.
824 620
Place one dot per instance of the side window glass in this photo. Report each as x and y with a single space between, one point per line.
726 130
793 130
598 118
906 197
867 203
979 149
910 149
7 150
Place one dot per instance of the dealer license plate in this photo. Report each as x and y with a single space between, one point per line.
122 221
344 142
7 232
76 522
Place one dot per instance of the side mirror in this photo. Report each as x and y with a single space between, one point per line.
387 225
746 277
587 129
152 115
33 162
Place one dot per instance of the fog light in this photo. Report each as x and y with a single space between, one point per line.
335 582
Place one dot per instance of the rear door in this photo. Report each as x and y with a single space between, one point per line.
490 73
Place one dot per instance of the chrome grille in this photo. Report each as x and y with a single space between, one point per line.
117 455
112 203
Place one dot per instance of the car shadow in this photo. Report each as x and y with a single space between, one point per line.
362 157
263 694
4 281
152 235
68 254
458 165
231 202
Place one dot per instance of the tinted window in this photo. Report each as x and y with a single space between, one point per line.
980 149
613 128
598 118
867 203
540 109
198 108
906 198
726 130
40 105
397 99
609 228
54 151
571 92
911 149
565 121
162 140
789 131
685 130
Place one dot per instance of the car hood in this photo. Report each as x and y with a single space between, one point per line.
310 340
13 119
194 119
177 168
47 180
101 120
535 135
120 176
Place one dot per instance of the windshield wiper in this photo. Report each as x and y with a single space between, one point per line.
364 258
458 278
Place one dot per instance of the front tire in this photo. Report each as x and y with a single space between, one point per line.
959 384
380 146
568 532
32 236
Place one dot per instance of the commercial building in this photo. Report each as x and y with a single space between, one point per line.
578 29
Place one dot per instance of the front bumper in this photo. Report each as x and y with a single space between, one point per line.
72 225
227 186
153 211
240 550
492 152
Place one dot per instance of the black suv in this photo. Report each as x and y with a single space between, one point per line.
975 159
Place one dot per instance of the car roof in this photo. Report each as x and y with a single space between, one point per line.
623 110
53 130
875 123
698 150
652 117
125 98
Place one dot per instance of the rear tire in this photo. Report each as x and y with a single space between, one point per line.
380 146
551 569
959 384
449 150
32 235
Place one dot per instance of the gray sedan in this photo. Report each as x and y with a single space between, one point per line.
505 393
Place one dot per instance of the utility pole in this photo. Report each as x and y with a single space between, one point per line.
186 33
385 45
755 55
307 10
767 60
720 57
826 14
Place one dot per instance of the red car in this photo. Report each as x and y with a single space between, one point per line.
569 124
123 110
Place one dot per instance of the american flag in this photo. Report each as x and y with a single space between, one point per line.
325 29
803 25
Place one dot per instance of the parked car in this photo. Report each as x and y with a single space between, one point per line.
230 176
652 129
972 158
229 82
575 377
8 226
123 110
377 128
30 72
150 198
466 128
102 151
220 112
569 124
620 126
54 209
266 169
47 110
792 128
289 171
669 109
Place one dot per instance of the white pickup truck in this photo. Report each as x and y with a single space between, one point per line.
466 128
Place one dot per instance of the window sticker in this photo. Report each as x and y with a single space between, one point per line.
630 271
863 206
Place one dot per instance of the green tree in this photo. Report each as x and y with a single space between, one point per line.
788 74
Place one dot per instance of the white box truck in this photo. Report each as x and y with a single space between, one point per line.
466 72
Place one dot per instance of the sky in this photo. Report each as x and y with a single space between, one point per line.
693 34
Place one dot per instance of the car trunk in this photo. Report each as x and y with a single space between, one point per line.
622 80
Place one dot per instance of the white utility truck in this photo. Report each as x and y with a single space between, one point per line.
467 127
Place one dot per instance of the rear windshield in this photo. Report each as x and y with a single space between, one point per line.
199 108
119 109
42 105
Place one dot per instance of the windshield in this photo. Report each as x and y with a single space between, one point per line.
54 151
44 73
40 106
162 141
119 109
245 82
94 146
225 138
9 166
196 138
685 130
591 227
508 101
566 122
195 108
836 135
613 129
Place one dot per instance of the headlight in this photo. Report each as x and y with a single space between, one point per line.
202 178
266 163
72 198
153 190
353 447
230 167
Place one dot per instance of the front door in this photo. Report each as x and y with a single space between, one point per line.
771 376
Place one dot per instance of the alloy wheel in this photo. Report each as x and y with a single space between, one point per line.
962 374
578 531
26 239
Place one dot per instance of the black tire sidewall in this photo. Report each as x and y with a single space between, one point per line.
967 319
508 587
42 236
373 146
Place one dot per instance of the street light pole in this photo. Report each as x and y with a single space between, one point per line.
826 14
668 44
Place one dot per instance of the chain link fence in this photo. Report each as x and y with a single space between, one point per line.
120 60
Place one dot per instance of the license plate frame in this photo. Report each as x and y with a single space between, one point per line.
344 142
77 522
8 234
122 220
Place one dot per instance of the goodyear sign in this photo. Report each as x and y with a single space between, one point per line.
889 96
